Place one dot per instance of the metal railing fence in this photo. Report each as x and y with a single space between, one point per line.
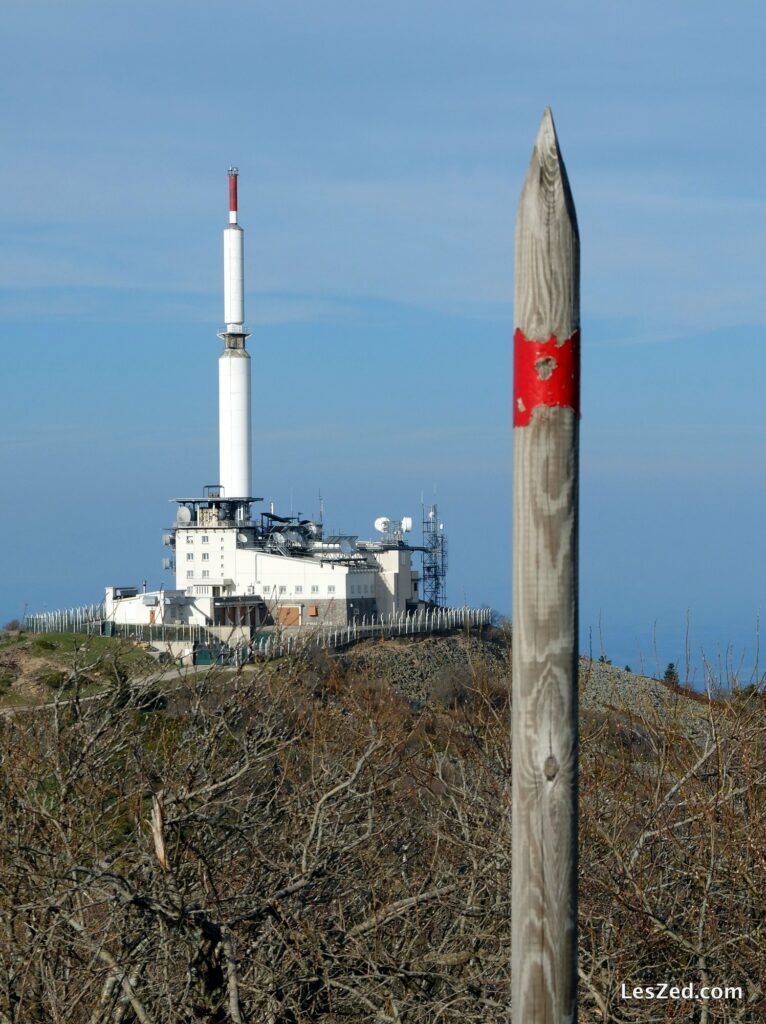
277 643
427 620
65 620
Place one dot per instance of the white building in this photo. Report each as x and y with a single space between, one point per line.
251 574
236 568
283 570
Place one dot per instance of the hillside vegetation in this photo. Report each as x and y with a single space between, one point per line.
36 666
328 840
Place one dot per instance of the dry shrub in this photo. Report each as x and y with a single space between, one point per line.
263 850
451 686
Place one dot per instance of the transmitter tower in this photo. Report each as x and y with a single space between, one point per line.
434 558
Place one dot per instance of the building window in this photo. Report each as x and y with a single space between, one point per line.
205 572
299 590
190 574
189 538
205 556
204 539
314 588
189 556
283 590
267 589
331 588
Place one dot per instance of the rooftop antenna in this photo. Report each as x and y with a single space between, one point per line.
321 509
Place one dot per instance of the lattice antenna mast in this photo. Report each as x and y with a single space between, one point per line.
434 558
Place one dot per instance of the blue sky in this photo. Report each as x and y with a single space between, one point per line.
382 149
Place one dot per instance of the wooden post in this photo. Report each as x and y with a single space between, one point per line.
545 498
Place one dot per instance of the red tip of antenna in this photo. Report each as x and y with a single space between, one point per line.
233 172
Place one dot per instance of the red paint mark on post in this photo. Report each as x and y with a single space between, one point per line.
544 373
232 192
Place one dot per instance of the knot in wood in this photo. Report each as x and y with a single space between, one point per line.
551 767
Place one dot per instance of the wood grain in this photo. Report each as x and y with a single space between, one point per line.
545 508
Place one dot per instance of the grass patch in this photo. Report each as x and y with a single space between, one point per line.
68 649
54 679
11 699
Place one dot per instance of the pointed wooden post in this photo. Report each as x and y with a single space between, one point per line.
545 499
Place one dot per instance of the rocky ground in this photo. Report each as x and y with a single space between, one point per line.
444 670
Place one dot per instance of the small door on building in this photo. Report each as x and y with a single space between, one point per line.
289 616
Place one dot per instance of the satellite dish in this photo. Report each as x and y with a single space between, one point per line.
382 524
242 538
183 515
406 524
223 514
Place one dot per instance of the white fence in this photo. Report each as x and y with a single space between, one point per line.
275 644
428 620
70 622
65 620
